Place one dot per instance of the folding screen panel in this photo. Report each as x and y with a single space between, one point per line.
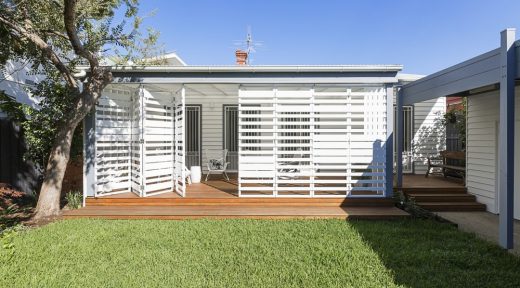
179 156
112 142
137 142
157 149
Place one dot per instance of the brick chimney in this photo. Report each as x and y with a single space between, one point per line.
241 57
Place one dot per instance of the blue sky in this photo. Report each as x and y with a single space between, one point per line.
424 36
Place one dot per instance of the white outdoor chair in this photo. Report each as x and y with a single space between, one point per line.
187 173
217 165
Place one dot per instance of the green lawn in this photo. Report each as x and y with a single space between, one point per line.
254 253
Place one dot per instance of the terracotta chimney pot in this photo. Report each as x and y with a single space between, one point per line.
241 57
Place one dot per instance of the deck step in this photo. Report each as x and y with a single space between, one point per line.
439 197
225 212
434 190
235 201
452 206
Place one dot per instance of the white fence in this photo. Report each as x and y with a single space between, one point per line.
312 142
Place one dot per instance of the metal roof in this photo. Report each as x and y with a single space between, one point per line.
253 69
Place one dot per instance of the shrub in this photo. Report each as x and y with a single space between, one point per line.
74 199
10 196
15 206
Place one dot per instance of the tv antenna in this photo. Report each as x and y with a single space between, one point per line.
249 46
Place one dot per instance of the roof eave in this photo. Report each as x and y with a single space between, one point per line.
252 69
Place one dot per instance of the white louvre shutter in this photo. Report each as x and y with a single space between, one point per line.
157 148
256 143
112 142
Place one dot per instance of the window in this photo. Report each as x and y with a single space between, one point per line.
408 137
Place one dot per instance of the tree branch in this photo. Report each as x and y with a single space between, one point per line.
55 33
44 47
69 13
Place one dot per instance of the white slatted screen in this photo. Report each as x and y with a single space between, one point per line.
136 147
158 123
113 137
312 142
256 142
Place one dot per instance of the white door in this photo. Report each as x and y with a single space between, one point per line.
408 136
231 136
193 133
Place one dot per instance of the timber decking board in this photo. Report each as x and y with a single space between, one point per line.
239 202
440 197
216 199
452 206
419 181
257 212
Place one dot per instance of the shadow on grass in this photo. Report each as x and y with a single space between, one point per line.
426 253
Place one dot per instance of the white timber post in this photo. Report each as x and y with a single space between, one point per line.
183 140
311 120
349 144
142 180
275 142
400 138
389 166
239 148
506 138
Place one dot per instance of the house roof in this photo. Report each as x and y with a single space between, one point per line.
259 68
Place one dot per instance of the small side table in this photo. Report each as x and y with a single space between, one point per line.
196 174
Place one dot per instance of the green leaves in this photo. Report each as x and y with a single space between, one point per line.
98 32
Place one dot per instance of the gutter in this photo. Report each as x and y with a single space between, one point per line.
253 69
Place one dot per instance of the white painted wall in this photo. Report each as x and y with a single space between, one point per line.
429 133
212 99
15 78
482 135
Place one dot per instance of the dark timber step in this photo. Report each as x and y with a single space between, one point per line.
452 206
434 190
439 197
444 199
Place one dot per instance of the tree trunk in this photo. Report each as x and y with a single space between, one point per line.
49 198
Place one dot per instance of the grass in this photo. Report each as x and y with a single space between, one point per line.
254 253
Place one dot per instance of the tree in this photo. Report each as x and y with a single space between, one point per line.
56 37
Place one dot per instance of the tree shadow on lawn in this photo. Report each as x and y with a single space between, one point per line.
426 253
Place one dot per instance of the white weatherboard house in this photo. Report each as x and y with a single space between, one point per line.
290 131
490 84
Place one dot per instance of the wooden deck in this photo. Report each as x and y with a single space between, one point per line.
218 199
225 211
432 181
